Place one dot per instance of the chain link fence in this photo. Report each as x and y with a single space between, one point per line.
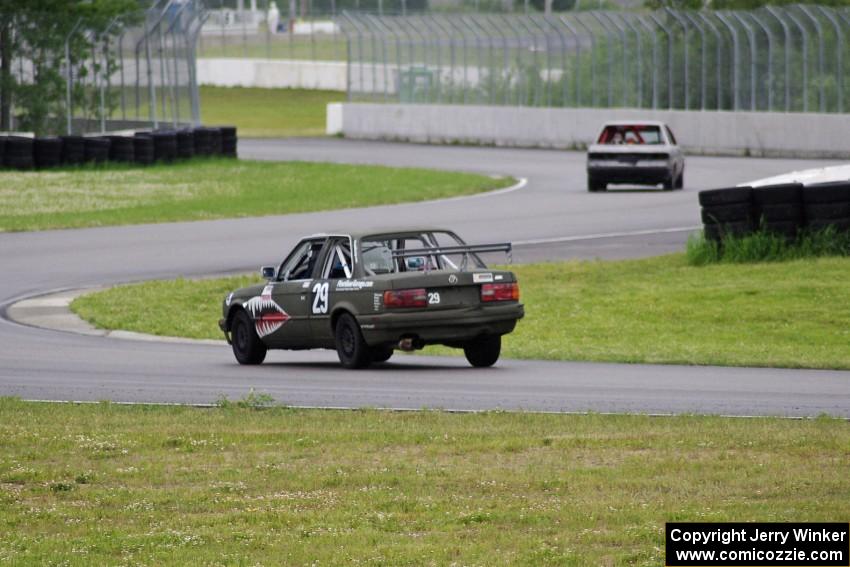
790 59
135 70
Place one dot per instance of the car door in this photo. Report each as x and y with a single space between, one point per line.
290 294
334 281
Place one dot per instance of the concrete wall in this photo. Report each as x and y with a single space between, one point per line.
711 133
272 73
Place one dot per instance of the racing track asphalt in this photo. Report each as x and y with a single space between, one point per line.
553 217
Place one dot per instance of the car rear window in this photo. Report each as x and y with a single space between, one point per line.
637 134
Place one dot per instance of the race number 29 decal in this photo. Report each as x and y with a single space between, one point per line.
320 299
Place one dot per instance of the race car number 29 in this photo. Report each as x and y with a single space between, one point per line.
320 299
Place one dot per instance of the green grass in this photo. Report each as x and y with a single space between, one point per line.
211 189
764 246
268 113
319 47
107 484
657 310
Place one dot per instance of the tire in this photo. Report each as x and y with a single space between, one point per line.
680 182
827 211
380 354
247 346
351 348
729 196
787 193
720 231
594 185
783 212
826 192
670 183
725 213
484 351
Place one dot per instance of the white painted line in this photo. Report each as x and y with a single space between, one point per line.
603 235
515 187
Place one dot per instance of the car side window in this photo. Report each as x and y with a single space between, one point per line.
300 265
338 264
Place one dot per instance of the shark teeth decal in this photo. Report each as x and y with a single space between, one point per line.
268 316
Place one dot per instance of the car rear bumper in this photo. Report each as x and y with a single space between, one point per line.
630 174
441 326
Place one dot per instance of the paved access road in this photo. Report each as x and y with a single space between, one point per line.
552 217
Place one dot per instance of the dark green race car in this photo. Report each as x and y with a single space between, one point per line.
368 294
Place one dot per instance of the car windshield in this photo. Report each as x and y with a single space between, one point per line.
637 134
415 252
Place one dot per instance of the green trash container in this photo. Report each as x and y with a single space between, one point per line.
415 84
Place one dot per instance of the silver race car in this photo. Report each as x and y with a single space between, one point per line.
637 152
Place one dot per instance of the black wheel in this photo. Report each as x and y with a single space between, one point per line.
484 351
350 346
725 213
669 183
680 181
380 354
247 346
594 185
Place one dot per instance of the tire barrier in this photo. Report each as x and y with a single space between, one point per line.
727 211
215 141
18 153
827 204
47 152
121 149
96 150
228 141
185 144
143 148
143 153
165 145
73 150
203 141
782 209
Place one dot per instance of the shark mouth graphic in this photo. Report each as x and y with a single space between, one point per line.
268 316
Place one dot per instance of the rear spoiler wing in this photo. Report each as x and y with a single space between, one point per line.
465 249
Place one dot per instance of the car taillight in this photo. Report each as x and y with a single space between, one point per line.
406 298
500 292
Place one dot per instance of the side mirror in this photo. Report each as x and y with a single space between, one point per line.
268 272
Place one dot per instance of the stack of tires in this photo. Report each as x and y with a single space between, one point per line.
73 150
185 144
121 149
779 209
727 212
827 204
143 149
165 145
228 141
47 152
203 141
2 149
215 141
18 152
96 150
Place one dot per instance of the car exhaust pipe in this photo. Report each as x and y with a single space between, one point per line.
409 344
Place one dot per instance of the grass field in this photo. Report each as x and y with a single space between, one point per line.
143 485
657 310
211 189
267 113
